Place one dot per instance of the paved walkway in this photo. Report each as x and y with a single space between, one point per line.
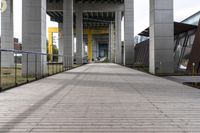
183 79
100 98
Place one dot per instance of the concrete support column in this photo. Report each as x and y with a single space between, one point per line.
79 36
7 38
161 37
61 43
84 52
90 46
94 49
68 32
84 45
111 43
97 45
129 33
34 36
118 44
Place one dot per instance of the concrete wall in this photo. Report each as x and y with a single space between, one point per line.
34 35
161 36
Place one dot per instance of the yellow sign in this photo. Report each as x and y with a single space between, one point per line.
51 30
89 32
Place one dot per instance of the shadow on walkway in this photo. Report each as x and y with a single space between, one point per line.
37 105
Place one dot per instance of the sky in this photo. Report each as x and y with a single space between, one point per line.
182 10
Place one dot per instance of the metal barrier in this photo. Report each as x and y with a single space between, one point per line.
21 67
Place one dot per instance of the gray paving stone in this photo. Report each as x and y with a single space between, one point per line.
104 98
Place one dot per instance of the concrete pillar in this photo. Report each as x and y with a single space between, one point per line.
94 49
79 36
118 46
161 37
68 32
111 43
7 38
129 33
84 46
84 52
34 36
90 46
97 45
61 43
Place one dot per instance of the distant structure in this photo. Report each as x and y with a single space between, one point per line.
95 23
17 45
194 19
186 45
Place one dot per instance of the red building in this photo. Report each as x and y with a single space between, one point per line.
17 45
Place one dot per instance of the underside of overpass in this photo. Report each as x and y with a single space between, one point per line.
95 23
95 15
95 97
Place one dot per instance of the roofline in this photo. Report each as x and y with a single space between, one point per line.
147 30
191 16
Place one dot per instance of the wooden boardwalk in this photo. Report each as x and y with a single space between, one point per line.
104 98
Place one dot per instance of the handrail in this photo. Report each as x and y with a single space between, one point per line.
29 52
28 66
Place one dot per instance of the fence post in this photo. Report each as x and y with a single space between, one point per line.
63 67
15 54
0 73
57 65
193 72
68 67
27 68
52 65
42 70
65 62
36 66
48 64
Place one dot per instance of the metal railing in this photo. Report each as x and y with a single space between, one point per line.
21 67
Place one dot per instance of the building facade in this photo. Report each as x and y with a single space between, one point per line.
185 34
